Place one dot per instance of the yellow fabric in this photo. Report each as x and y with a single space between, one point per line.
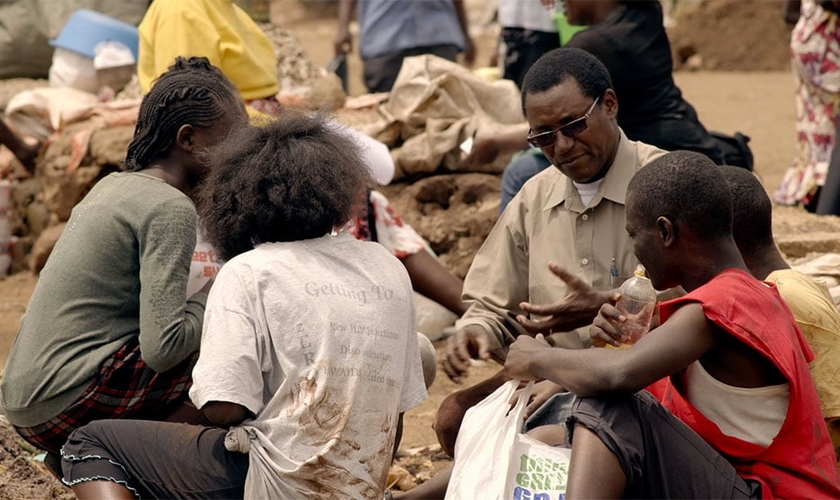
216 29
546 222
818 318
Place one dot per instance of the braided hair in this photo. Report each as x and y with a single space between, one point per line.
192 91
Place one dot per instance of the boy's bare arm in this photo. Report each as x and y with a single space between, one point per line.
225 414
685 337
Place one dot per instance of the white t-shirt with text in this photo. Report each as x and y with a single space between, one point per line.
317 338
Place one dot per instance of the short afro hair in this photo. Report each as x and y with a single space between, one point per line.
688 189
752 216
554 67
294 178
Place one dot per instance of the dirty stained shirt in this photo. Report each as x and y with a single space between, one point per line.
119 270
317 338
547 221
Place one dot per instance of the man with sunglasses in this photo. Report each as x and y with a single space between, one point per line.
628 37
569 219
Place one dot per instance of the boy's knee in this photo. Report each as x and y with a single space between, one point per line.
448 419
552 435
87 437
428 359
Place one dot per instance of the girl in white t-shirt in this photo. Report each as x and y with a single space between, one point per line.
309 355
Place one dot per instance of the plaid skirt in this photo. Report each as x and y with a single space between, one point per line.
125 387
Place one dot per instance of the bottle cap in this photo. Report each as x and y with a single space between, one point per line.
640 271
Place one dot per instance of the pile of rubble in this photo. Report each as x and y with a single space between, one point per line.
434 106
92 143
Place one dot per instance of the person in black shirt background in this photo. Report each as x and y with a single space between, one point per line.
629 38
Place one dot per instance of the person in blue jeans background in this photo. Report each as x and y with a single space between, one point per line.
391 30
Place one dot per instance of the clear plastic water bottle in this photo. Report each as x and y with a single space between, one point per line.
637 303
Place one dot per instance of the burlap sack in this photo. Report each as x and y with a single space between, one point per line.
438 104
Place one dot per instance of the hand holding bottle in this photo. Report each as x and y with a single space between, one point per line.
636 305
626 317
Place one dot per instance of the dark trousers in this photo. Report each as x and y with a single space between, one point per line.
522 48
381 72
156 459
660 455
828 199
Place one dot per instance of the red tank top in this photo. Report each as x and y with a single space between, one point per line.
800 461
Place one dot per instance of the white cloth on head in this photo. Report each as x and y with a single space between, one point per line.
375 155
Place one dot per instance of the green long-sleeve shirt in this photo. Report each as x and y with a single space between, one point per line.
119 270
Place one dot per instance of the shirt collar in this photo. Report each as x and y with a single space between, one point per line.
614 187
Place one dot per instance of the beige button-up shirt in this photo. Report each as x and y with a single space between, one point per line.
546 222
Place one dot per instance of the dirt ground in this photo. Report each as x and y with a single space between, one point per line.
758 103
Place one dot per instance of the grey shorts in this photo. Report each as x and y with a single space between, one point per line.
660 455
155 459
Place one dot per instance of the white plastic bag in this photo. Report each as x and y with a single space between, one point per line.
537 471
495 461
484 443
73 70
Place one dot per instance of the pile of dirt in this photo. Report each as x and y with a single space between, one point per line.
22 475
453 212
731 35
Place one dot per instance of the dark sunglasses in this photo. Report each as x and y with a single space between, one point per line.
571 130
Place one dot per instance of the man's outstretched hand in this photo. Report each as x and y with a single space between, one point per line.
576 308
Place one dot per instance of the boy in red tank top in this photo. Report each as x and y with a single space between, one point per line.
736 413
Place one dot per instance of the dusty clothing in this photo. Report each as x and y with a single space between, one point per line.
546 222
815 50
125 387
119 272
633 45
317 338
800 462
660 455
216 29
817 317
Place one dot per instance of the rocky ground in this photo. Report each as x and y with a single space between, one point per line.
742 84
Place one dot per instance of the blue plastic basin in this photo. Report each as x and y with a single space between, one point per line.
86 29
